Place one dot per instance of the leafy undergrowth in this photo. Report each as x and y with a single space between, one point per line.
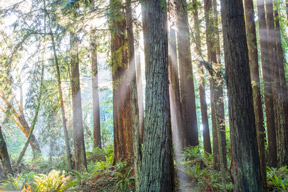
194 172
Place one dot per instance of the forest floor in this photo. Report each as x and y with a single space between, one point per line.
194 172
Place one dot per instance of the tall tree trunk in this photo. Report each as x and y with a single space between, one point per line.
255 82
205 125
4 156
139 88
175 104
59 83
267 78
216 88
134 113
78 133
246 164
276 60
123 143
190 129
157 146
95 93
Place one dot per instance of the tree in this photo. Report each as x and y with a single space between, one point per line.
276 60
255 82
267 78
190 130
157 173
123 143
95 90
134 111
78 133
4 155
204 114
216 87
246 169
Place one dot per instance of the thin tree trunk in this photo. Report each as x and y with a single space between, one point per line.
157 172
246 164
134 113
190 129
4 156
267 79
95 93
205 125
35 117
255 82
78 132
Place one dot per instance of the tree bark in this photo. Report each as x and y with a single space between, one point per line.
174 90
123 142
267 79
255 82
246 169
190 129
134 113
95 93
4 156
78 133
157 172
276 60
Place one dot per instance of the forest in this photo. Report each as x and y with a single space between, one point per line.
144 95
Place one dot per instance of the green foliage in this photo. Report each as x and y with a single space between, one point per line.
54 181
124 180
277 179
199 169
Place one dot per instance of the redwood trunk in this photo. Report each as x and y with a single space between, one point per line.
190 129
276 65
255 82
78 133
157 172
123 149
95 93
267 78
246 169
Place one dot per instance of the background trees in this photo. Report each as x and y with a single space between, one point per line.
116 47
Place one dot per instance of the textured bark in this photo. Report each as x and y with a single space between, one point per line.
157 172
267 78
123 149
4 156
204 115
246 168
174 90
216 88
95 93
78 133
134 113
190 129
276 60
255 82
